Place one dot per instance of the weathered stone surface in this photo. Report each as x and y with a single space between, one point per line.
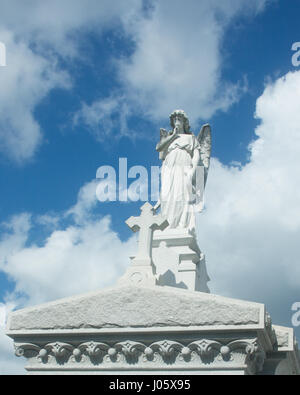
285 338
178 260
137 307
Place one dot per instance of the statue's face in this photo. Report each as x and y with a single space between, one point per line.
178 124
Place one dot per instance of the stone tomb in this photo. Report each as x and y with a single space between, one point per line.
152 330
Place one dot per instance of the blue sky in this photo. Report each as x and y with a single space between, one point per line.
85 86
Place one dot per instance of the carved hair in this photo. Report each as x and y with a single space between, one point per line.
186 124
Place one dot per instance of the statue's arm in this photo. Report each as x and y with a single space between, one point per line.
196 159
165 140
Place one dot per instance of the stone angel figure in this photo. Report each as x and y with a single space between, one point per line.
185 164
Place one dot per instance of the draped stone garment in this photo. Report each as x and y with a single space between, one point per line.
177 189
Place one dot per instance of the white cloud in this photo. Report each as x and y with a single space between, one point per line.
82 256
50 221
14 236
177 61
2 314
9 363
24 82
103 116
74 260
86 201
36 34
54 24
251 227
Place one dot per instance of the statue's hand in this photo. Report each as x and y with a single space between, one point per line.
165 140
163 133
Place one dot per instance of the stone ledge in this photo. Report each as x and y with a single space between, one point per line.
138 307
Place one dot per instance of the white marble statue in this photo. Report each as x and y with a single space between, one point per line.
184 172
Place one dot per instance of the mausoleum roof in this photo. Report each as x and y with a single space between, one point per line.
139 307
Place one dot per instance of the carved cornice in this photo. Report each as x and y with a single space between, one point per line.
164 352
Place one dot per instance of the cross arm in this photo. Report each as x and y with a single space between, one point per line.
160 224
133 223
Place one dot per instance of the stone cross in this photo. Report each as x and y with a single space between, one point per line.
146 224
141 272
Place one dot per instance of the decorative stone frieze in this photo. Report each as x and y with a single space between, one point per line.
135 355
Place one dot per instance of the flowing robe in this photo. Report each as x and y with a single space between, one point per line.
178 194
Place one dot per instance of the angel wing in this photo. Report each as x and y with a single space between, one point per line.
204 139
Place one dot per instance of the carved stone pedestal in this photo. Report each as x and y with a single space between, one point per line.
141 272
178 260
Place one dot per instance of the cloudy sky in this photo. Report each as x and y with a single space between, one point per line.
88 82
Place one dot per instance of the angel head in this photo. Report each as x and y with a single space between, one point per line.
179 119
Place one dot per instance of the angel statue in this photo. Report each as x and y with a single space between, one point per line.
185 163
